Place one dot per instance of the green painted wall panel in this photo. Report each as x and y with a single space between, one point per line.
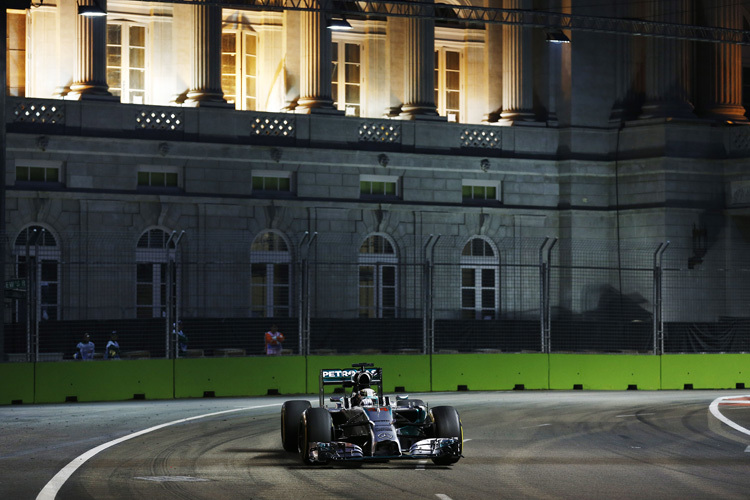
248 376
16 383
489 372
611 372
103 380
412 372
705 371
53 382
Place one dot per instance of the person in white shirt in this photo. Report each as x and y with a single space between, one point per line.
85 349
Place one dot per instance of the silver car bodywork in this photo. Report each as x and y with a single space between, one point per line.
377 428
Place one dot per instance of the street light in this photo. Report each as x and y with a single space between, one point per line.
339 25
91 10
557 36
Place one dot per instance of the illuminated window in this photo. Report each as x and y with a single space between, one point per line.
271 274
378 278
271 182
346 77
448 84
378 186
480 277
239 59
38 171
158 179
473 191
126 61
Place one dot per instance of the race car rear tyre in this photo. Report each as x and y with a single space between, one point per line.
447 424
316 425
291 413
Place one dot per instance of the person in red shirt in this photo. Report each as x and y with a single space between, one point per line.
274 338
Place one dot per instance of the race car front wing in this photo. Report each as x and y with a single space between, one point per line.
321 452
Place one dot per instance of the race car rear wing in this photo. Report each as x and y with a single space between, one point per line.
345 377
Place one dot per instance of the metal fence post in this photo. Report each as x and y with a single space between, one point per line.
658 326
37 294
171 352
172 312
300 294
545 308
32 319
304 297
547 303
428 329
542 285
426 292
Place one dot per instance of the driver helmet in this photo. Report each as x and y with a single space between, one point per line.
362 379
366 397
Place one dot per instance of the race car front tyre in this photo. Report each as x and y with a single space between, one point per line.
316 426
291 413
447 424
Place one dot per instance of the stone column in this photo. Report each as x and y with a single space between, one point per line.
315 47
375 69
272 89
419 67
493 73
205 85
668 64
474 84
721 79
90 77
518 77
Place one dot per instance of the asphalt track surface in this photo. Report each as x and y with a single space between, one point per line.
556 445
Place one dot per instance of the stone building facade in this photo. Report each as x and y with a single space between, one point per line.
254 133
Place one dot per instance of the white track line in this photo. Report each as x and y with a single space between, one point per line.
714 407
49 492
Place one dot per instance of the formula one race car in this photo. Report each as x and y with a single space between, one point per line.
367 426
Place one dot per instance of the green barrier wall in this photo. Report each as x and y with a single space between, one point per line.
16 383
614 372
56 382
489 372
103 380
705 371
253 376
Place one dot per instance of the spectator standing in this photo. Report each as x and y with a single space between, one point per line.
274 338
112 351
85 349
181 338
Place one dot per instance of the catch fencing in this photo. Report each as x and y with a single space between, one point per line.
343 294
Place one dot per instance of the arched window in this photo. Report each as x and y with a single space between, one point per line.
480 279
378 278
37 259
271 276
154 253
